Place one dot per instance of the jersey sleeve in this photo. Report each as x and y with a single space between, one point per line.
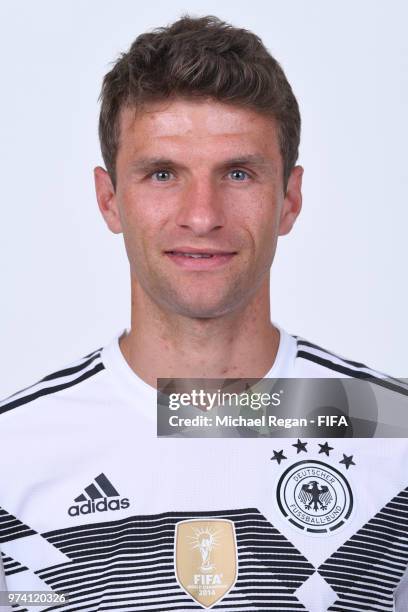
3 586
401 594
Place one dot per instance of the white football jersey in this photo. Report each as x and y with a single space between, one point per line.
94 504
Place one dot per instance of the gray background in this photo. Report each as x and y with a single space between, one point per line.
339 279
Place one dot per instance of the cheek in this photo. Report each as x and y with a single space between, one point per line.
141 215
264 225
267 243
263 217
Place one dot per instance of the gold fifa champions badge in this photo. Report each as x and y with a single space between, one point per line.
206 559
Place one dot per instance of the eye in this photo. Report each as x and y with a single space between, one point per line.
162 175
238 175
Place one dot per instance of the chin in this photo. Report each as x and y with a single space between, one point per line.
201 310
198 302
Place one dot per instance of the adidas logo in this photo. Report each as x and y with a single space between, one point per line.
96 498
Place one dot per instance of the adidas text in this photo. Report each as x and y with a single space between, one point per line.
103 505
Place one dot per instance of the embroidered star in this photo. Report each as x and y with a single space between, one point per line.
347 461
278 456
325 448
301 446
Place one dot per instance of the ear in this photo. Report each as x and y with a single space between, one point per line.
106 196
292 203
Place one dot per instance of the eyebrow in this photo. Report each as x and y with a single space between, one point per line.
253 159
148 164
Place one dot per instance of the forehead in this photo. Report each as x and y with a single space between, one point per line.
180 123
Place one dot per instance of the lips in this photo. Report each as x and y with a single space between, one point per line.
197 252
193 258
195 255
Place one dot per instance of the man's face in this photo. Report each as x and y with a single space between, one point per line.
200 201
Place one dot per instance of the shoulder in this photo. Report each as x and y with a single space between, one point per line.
313 360
68 377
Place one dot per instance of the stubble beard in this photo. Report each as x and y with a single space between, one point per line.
213 300
200 299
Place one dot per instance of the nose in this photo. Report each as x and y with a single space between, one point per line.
201 209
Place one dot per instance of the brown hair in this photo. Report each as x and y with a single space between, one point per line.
199 57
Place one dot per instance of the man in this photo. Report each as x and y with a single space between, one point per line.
199 131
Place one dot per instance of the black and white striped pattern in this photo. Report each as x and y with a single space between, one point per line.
366 570
57 381
129 564
11 566
311 352
11 528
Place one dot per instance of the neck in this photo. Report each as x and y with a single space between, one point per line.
241 344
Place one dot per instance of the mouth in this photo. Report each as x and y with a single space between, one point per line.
197 259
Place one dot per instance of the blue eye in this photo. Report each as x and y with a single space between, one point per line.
162 175
238 175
